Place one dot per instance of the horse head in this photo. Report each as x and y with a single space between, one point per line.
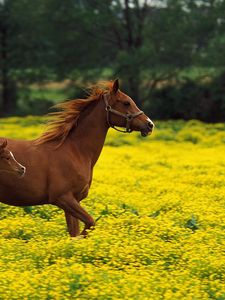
123 112
8 162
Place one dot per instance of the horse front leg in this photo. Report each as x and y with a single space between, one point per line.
72 207
72 225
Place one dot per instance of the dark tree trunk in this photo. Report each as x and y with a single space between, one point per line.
7 85
134 41
134 85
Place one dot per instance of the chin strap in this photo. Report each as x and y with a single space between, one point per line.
128 117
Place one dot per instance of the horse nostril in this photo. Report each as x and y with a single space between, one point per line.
150 125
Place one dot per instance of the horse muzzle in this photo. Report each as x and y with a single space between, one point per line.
21 172
147 129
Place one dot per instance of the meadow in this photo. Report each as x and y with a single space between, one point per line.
160 234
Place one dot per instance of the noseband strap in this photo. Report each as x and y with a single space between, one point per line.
128 117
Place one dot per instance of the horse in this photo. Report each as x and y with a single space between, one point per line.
59 163
8 162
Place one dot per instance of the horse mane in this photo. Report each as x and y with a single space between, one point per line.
67 115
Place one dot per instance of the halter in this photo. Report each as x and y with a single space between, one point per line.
128 117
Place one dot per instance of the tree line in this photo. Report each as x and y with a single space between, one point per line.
169 53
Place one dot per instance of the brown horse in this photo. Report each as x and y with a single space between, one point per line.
59 164
8 162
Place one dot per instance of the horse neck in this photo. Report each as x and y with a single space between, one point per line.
89 135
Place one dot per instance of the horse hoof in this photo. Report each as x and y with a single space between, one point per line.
79 237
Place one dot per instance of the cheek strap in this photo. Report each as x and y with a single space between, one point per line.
128 117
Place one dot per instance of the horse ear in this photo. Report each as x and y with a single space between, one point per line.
115 86
3 145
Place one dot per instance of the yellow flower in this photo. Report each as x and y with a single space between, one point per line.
160 234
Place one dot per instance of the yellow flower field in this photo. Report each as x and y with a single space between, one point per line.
160 234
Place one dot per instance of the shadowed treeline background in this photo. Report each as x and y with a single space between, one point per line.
169 54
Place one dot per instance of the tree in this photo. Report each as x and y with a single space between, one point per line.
24 49
146 43
119 25
8 86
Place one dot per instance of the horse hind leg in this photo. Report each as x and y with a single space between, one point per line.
72 207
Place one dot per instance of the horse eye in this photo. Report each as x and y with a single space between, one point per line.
126 103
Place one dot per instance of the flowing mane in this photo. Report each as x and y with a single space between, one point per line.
63 121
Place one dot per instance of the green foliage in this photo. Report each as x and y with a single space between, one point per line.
155 47
192 223
190 100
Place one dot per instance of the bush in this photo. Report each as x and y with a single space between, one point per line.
190 100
